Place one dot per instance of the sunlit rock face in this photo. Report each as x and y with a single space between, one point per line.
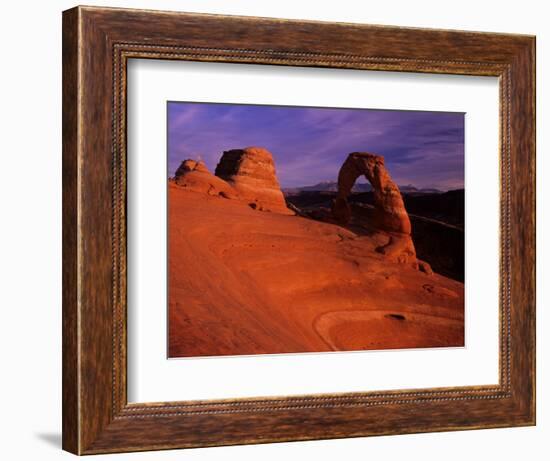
389 213
251 171
195 176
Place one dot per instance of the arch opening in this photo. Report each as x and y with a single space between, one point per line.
389 216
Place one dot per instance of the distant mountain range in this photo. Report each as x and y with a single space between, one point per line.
332 186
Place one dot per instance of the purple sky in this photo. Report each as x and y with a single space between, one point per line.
425 149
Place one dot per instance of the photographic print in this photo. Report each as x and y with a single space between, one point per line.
313 229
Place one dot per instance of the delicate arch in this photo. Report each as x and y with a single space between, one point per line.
390 214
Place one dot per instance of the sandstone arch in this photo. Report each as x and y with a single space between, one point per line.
389 215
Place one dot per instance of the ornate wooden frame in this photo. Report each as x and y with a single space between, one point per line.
97 43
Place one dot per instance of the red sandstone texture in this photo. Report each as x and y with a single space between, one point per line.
389 210
257 279
251 171
195 176
242 174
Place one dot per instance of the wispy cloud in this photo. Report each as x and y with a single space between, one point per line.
309 144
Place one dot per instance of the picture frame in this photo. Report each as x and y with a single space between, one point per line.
97 44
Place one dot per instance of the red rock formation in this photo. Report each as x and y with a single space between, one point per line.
195 176
191 165
251 171
389 215
246 282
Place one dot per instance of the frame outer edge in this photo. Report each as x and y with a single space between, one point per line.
522 241
533 51
90 422
70 210
533 175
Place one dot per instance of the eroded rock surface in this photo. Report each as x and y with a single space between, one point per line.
251 171
195 176
247 282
